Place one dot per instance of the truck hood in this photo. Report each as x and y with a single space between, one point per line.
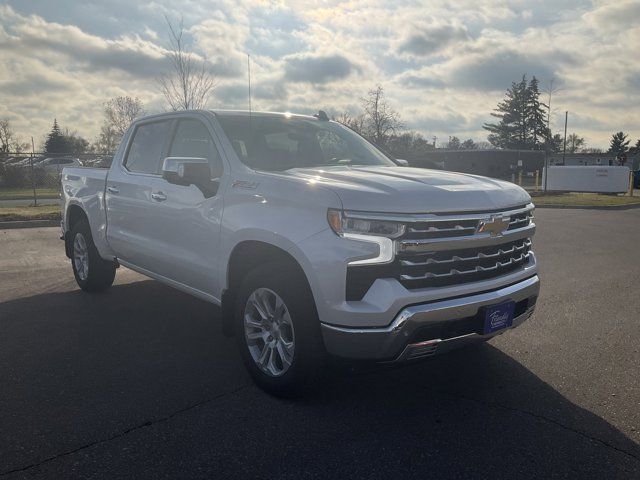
412 190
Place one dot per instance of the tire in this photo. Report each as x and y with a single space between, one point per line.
92 272
296 324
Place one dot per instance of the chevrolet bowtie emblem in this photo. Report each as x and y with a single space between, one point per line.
495 225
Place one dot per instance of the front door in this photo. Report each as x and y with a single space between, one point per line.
187 230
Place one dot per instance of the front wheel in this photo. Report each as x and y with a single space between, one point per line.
278 331
92 272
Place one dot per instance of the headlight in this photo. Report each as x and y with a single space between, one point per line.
358 227
343 223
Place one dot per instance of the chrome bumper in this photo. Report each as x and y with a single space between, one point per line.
396 342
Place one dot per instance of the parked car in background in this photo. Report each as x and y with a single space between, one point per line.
56 164
13 160
98 162
311 240
28 161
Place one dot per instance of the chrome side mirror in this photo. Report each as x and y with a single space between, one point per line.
190 171
401 162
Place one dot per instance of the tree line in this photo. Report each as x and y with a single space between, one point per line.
118 113
521 125
382 125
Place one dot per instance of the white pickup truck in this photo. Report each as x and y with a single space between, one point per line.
313 242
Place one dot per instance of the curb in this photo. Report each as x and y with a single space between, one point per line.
591 207
29 224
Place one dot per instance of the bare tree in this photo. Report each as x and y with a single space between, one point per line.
191 81
119 112
575 143
6 136
381 120
107 140
355 123
551 90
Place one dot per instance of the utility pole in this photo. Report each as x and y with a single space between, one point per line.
564 150
33 177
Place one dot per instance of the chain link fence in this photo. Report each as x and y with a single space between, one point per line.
34 178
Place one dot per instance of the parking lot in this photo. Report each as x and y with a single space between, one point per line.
139 381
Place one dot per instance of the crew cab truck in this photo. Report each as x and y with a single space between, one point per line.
313 242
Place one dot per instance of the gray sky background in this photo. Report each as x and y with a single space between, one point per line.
443 65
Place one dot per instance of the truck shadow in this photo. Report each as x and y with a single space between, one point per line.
79 369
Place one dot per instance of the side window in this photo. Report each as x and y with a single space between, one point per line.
192 139
146 148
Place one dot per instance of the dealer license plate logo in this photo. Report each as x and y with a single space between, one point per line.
498 317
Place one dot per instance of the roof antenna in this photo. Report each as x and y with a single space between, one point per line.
249 75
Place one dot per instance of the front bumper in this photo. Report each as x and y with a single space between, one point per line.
404 338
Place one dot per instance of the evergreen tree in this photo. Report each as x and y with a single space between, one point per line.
55 142
536 117
522 122
619 143
555 143
511 113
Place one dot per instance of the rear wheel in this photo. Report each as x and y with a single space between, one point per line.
92 272
278 331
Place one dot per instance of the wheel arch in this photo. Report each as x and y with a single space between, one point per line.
74 214
246 256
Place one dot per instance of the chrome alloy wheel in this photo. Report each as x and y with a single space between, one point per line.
269 332
81 256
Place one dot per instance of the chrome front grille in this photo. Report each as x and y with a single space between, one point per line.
451 232
449 249
521 219
441 250
443 229
462 266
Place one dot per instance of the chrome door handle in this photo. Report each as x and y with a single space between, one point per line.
113 190
159 196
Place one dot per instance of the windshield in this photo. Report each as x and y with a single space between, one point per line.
281 143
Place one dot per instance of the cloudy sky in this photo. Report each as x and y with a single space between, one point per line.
443 65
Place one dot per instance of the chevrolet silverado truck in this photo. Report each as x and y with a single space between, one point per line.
312 241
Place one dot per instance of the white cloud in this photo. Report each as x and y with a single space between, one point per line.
429 38
444 65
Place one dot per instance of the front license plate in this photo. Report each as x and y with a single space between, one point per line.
498 317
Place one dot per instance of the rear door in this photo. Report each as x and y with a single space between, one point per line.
132 230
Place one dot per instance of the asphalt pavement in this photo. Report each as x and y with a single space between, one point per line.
139 382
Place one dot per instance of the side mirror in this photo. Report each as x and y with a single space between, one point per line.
401 162
190 171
